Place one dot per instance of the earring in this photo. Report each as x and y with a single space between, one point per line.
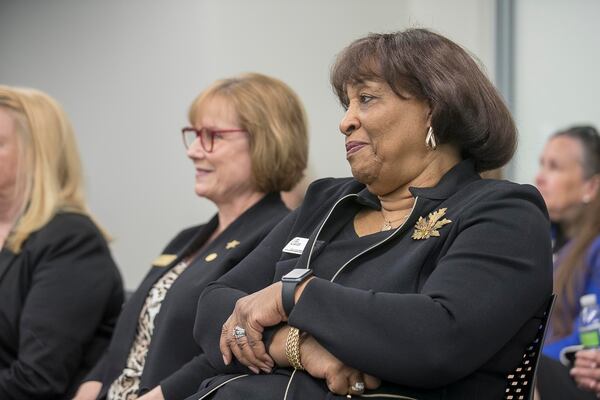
430 139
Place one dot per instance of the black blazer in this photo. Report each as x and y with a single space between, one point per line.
441 318
59 301
174 360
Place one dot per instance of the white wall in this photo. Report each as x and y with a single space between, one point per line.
557 79
126 72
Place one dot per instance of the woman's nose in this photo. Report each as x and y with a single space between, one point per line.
350 122
195 150
540 178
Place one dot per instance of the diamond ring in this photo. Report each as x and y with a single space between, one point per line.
238 332
358 387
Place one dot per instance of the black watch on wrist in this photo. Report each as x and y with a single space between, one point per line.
289 283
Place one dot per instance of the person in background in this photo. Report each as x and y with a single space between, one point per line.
555 381
586 249
568 179
60 290
293 198
247 141
414 278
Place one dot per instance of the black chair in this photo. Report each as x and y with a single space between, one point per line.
521 381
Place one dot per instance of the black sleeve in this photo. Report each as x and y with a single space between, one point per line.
217 301
97 372
495 275
73 279
187 379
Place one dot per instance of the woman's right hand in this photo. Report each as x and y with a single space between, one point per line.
88 390
341 379
586 371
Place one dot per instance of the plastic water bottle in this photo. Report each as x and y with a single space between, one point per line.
589 322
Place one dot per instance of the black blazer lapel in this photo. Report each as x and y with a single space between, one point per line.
6 259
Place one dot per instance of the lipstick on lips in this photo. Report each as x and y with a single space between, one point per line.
353 146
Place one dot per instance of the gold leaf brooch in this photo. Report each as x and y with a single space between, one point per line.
426 228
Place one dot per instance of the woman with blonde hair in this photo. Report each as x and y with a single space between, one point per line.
247 141
60 289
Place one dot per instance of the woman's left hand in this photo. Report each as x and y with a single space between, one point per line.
586 371
241 335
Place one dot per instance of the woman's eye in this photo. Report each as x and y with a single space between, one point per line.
553 165
365 98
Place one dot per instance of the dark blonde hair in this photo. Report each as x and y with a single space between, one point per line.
466 109
275 119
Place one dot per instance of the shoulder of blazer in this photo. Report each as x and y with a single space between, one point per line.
181 239
329 190
266 213
260 218
492 189
65 226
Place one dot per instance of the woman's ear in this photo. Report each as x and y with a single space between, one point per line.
591 188
429 110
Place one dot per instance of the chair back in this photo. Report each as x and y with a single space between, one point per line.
521 381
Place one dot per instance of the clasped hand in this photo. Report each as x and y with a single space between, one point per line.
251 315
242 334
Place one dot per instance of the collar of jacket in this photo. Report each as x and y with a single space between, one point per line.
272 199
460 175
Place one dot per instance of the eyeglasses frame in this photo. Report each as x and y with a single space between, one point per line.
211 133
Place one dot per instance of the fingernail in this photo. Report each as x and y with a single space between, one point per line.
266 370
254 369
270 363
225 360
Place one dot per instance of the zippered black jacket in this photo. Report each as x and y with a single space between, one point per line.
440 318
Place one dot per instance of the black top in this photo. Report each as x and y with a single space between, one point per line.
174 361
59 302
440 318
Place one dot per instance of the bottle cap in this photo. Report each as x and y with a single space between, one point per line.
588 300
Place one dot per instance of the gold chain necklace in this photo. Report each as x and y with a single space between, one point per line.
387 224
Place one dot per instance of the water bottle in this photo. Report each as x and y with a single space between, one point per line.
589 322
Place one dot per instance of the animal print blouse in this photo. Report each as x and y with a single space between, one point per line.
126 386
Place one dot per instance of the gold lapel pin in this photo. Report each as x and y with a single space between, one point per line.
232 245
210 257
163 260
425 228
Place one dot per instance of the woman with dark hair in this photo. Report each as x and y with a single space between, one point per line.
413 279
568 179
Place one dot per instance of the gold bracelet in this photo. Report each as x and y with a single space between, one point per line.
292 348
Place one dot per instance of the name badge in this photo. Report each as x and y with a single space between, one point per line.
296 245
